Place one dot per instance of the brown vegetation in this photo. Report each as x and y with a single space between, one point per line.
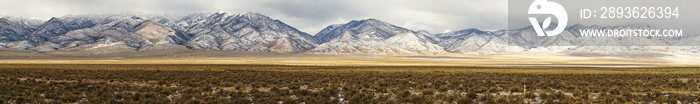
26 83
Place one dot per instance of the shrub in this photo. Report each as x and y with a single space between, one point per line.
428 92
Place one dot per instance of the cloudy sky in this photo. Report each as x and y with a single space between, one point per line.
435 16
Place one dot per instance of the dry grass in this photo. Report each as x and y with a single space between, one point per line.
302 68
520 59
244 77
220 83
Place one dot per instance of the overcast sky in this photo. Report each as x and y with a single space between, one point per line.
435 16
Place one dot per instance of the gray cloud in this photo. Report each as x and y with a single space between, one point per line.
435 16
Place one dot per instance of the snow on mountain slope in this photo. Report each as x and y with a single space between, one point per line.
245 32
473 40
16 29
372 36
128 34
132 31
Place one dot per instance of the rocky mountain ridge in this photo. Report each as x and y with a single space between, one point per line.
258 33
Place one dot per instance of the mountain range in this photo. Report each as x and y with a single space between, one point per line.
224 31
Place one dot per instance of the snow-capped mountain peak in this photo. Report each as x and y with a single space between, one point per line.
250 31
245 32
372 36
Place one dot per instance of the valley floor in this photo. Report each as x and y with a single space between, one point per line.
512 59
222 83
193 76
